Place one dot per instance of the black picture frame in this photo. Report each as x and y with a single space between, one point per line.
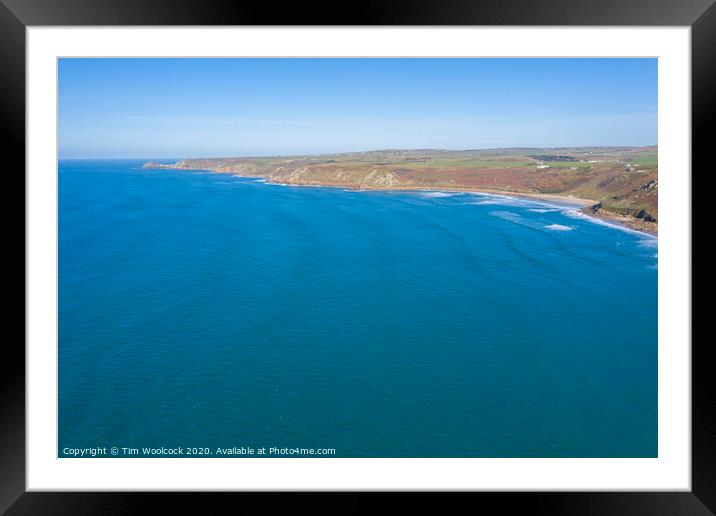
16 15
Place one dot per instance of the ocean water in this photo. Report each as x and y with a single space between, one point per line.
205 311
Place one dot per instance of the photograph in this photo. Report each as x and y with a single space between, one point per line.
443 250
358 257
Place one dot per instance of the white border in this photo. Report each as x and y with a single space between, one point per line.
670 471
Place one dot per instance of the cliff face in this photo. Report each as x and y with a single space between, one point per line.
640 203
623 181
637 208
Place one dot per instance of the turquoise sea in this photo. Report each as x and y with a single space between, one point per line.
203 311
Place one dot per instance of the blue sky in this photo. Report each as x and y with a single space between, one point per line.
173 108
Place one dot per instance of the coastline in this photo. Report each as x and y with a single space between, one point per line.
584 205
648 228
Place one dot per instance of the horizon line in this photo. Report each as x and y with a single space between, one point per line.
396 149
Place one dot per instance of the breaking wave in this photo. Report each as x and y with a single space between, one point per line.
438 194
559 227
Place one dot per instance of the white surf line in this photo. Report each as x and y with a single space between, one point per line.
572 210
577 214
